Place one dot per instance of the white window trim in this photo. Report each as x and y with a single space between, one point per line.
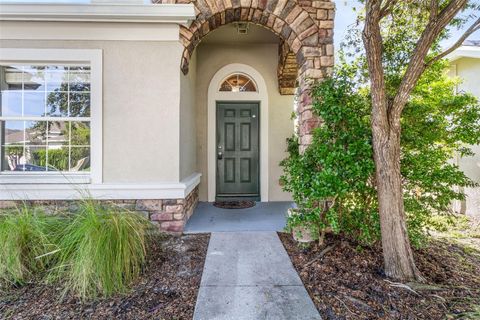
93 57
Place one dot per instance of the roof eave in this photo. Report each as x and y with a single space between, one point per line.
464 52
126 13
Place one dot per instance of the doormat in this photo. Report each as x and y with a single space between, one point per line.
234 204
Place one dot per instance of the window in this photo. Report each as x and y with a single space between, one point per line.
49 116
238 83
45 118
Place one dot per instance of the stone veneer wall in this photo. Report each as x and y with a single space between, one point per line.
170 215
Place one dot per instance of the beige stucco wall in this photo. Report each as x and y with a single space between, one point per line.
141 97
188 139
468 69
263 58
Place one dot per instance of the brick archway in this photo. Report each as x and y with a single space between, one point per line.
305 28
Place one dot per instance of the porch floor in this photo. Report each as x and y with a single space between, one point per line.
264 216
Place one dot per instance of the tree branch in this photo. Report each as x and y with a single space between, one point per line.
373 42
433 9
387 8
417 65
474 27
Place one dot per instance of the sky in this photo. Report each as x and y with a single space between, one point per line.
345 16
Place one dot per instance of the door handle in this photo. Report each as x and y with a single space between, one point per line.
220 156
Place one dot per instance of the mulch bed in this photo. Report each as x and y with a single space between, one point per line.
348 281
167 290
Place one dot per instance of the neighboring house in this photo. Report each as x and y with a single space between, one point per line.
156 106
465 64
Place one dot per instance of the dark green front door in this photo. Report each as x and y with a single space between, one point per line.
238 150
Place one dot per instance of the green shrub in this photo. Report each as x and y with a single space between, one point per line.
338 166
102 250
25 246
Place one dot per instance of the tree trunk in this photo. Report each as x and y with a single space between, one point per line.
397 252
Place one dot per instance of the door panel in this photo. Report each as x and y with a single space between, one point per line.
238 150
245 135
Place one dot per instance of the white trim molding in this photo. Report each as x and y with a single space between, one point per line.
106 191
465 52
68 31
144 13
92 57
260 96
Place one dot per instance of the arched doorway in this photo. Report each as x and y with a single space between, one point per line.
305 51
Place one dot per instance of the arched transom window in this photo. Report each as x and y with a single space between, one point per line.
238 82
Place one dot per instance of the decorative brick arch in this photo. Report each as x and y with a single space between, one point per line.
305 28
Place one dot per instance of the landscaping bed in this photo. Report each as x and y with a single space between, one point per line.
347 282
167 289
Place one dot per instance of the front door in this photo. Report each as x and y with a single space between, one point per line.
238 151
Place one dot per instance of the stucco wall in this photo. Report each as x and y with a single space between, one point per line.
468 69
188 140
263 58
141 95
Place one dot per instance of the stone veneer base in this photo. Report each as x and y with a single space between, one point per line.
170 215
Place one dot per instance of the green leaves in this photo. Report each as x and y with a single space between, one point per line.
436 125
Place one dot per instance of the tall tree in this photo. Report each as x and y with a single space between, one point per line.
388 104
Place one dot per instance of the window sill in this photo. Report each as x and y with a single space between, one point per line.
44 178
105 191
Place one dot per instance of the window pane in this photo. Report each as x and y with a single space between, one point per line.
58 133
14 133
57 104
238 83
11 103
58 144
36 132
79 78
34 78
12 158
34 103
13 77
79 159
57 158
35 158
80 134
79 104
249 86
56 78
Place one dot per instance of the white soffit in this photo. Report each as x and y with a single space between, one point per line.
139 13
465 52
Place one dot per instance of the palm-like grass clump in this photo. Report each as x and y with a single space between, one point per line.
26 247
97 251
102 250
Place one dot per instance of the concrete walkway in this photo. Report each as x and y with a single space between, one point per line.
248 275
265 216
